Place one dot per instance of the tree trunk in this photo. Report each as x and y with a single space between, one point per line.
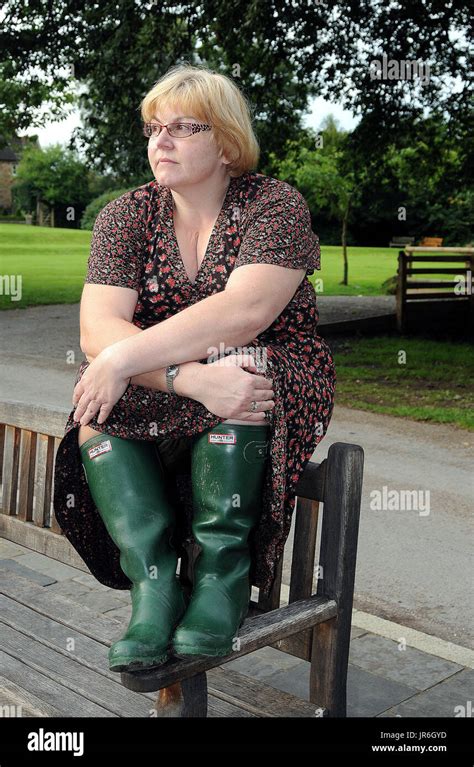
344 246
345 219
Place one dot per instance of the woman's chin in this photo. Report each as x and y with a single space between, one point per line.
163 173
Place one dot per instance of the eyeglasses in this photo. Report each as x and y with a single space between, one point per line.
177 130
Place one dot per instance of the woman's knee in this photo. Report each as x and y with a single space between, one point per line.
85 433
246 423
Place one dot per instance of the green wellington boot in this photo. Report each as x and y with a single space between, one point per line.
228 465
127 484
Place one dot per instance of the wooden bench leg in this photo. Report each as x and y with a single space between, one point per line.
340 528
328 674
185 699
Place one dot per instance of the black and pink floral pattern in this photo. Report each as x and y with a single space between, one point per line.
262 220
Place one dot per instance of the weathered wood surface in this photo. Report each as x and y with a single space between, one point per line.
54 663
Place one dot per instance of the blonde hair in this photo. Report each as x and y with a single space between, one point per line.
212 98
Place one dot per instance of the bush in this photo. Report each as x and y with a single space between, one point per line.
389 287
95 206
8 218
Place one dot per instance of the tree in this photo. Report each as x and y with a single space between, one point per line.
416 185
52 175
323 174
33 84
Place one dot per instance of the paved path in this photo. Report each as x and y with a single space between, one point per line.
340 308
413 568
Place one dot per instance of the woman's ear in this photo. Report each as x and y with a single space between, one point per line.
222 156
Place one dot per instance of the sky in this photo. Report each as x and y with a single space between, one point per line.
60 132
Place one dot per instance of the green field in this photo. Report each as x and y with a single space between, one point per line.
52 264
434 384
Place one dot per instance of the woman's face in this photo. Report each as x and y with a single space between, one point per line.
194 158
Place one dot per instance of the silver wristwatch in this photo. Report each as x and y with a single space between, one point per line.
171 373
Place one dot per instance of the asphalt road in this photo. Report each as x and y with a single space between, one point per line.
414 566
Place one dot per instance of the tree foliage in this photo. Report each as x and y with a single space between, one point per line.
52 175
280 53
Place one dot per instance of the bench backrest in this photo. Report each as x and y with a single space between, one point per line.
430 275
402 241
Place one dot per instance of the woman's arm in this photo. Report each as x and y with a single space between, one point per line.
227 318
187 384
104 381
106 315
230 318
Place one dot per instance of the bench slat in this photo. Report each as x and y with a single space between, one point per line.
27 475
441 296
447 284
302 572
259 698
30 704
66 701
256 632
42 419
437 270
62 668
10 469
2 448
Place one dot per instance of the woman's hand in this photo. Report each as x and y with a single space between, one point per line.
100 387
227 390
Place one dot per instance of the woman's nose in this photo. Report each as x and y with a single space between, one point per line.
162 139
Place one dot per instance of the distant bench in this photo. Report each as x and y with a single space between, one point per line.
401 242
425 242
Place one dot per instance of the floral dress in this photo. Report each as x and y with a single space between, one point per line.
134 245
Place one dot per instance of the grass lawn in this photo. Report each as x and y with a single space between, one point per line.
53 263
434 385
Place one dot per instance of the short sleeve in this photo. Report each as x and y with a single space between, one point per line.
118 240
278 231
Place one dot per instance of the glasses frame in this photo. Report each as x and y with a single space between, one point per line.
195 128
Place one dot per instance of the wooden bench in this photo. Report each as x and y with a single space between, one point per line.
315 625
401 242
433 302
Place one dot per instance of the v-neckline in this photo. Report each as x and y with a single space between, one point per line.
214 230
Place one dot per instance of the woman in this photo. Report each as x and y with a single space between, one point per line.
176 439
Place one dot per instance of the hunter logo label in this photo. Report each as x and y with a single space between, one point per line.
223 439
103 447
